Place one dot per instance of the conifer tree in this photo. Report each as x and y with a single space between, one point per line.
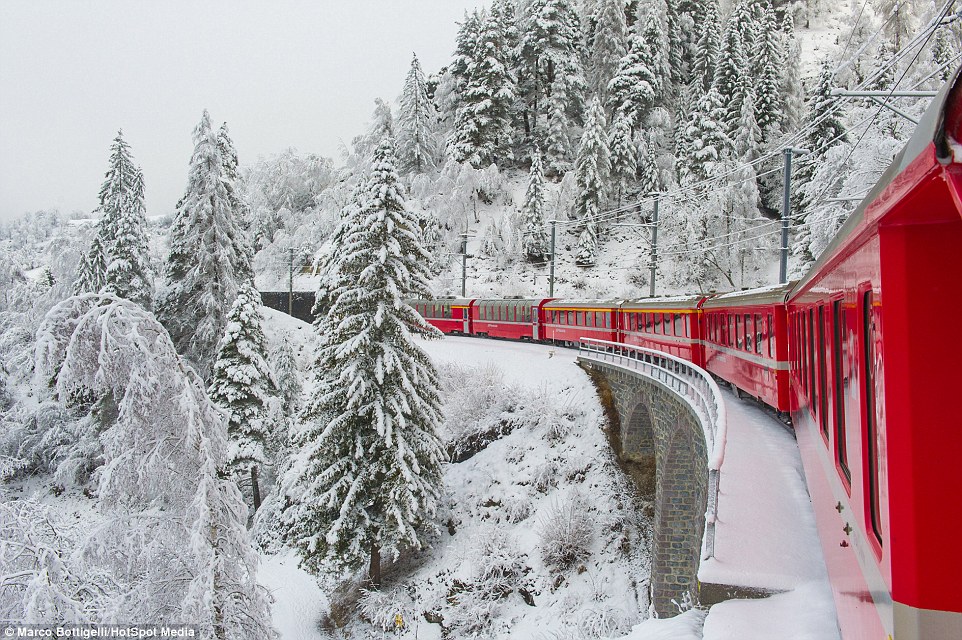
768 76
708 47
551 49
942 52
416 124
828 129
482 128
558 141
635 88
368 473
209 255
228 154
732 76
286 376
624 159
792 91
535 236
705 139
747 142
122 229
242 385
593 166
647 173
83 281
609 44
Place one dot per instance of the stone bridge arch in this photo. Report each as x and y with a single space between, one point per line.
654 427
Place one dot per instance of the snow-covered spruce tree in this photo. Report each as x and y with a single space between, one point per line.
732 76
286 375
416 125
708 47
609 44
646 174
92 272
482 128
748 137
123 228
792 91
535 240
635 88
242 385
827 131
169 517
558 147
368 472
593 167
767 65
551 49
228 154
705 142
209 255
382 126
624 159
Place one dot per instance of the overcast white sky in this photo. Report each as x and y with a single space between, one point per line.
281 73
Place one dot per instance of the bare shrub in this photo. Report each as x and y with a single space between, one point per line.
566 534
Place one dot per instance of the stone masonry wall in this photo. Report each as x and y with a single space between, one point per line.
653 419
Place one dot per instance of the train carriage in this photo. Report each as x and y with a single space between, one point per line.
741 344
512 318
450 315
671 325
567 321
880 438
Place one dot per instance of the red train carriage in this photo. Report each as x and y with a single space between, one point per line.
450 315
741 343
876 371
567 321
514 318
668 324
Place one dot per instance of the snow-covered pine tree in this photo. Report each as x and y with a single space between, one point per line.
123 228
551 49
482 128
768 76
382 126
748 137
160 489
624 159
827 128
593 167
705 141
286 375
368 474
635 88
466 45
242 384
92 271
732 76
609 44
416 125
228 154
209 255
83 282
558 147
535 240
943 51
708 47
792 91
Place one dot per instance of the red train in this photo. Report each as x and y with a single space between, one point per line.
862 353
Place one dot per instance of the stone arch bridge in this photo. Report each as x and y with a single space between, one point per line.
667 414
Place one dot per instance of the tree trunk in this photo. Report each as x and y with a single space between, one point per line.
374 573
256 489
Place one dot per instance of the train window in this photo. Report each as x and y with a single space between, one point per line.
607 319
822 374
771 337
749 332
730 336
738 332
812 390
669 325
679 324
841 381
571 318
759 333
871 427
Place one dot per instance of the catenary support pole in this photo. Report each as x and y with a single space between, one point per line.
654 249
551 269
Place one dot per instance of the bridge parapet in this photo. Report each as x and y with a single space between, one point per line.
673 411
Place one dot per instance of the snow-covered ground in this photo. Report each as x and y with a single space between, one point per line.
553 455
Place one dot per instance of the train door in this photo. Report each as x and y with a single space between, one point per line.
535 325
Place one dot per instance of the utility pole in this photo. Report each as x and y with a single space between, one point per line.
551 270
786 209
654 249
290 284
464 264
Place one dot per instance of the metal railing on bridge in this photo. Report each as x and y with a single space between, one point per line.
689 382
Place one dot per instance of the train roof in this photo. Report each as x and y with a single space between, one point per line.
667 302
509 301
944 113
773 294
454 302
583 304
